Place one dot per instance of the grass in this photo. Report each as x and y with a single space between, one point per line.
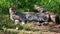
25 6
7 26
28 5
6 23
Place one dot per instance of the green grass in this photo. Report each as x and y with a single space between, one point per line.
28 5
24 6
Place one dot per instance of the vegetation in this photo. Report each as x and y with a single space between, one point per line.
28 5
24 6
